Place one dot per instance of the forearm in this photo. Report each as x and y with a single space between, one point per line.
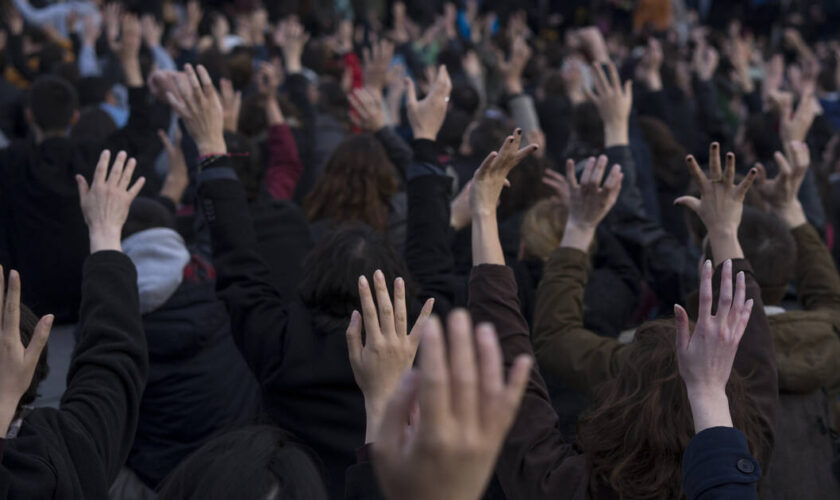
88 65
818 283
7 414
486 246
709 408
725 244
524 113
285 167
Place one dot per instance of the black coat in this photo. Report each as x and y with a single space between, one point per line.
76 451
198 384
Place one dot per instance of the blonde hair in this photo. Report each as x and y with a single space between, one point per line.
542 227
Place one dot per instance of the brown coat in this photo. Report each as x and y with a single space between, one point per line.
584 359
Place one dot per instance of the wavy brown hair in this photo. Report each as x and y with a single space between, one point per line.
640 423
357 184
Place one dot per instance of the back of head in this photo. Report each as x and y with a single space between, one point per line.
542 228
488 134
93 125
640 422
53 102
357 184
331 271
254 463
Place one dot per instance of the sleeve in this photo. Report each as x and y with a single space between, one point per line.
360 479
428 250
816 276
107 373
38 17
534 459
523 112
398 151
162 59
563 346
284 165
717 465
243 281
88 65
755 360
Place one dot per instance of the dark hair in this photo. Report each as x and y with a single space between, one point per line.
253 463
92 90
147 213
93 125
332 100
357 184
28 320
331 271
53 101
451 134
488 135
640 423
667 154
762 132
768 245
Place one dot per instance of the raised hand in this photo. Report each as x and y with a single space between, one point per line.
389 349
705 357
377 60
199 106
127 50
291 38
794 125
780 194
466 409
90 30
17 362
613 103
105 203
721 202
152 30
367 111
589 201
558 185
177 178
426 116
231 104
491 176
705 61
513 67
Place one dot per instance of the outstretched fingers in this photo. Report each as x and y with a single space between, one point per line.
746 183
715 172
39 340
571 178
725 298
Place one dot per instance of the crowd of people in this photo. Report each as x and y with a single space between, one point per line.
421 250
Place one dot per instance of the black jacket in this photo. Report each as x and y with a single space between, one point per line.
304 372
42 232
76 451
198 383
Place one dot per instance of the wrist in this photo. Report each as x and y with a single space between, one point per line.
108 238
513 86
577 236
616 135
210 147
131 71
373 419
424 134
792 214
709 407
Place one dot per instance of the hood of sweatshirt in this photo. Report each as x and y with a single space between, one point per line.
159 254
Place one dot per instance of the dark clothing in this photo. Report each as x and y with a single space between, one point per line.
76 451
717 465
304 372
43 234
198 386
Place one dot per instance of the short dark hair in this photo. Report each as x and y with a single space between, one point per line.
53 101
147 213
249 464
331 271
28 320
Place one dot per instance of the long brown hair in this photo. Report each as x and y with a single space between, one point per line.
640 423
357 184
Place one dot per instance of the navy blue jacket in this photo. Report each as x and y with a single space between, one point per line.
717 465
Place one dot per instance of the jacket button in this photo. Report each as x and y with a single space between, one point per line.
746 466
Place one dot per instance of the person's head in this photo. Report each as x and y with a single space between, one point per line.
542 228
640 422
357 184
147 213
253 463
94 124
333 100
485 135
331 270
760 138
28 320
667 154
771 250
53 105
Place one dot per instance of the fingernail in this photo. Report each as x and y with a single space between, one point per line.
50 319
363 281
519 131
378 276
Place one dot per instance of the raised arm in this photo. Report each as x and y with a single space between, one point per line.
720 207
108 370
562 344
243 280
816 276
534 453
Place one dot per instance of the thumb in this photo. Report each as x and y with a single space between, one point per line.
681 322
82 185
39 339
689 202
